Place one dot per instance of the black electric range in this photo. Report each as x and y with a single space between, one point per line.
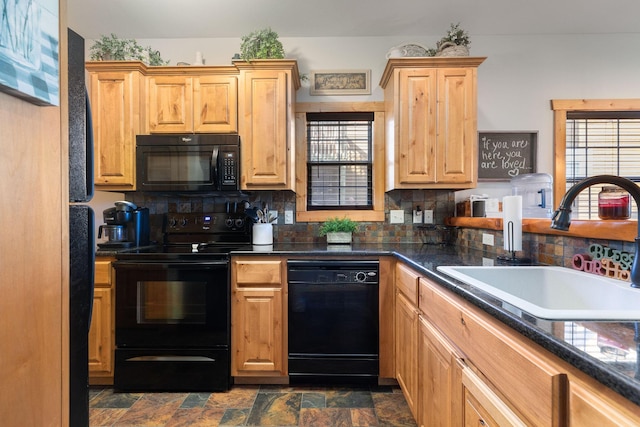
173 306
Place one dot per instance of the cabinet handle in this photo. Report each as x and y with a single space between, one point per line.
462 321
481 421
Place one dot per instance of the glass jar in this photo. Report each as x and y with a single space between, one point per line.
613 203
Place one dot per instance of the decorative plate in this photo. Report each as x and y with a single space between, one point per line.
405 50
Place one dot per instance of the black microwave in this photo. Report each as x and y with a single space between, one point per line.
188 163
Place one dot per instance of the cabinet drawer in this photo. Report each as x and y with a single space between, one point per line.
512 364
103 272
407 283
258 272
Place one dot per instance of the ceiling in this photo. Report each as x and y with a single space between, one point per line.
155 19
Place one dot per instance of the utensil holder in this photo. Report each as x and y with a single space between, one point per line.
263 234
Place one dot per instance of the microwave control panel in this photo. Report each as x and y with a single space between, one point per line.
229 168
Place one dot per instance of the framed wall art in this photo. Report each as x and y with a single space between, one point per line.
340 82
29 50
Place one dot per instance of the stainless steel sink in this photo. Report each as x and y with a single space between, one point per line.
553 292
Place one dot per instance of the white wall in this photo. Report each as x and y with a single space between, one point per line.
515 84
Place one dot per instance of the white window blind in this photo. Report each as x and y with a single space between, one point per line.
339 161
600 143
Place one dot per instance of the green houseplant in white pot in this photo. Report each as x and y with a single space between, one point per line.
338 230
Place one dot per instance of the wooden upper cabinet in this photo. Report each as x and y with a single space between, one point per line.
266 126
117 106
170 104
200 100
431 109
215 104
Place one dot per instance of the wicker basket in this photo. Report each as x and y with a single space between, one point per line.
452 49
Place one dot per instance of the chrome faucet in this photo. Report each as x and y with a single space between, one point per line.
561 219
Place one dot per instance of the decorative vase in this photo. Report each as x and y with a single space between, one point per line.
341 238
263 234
452 49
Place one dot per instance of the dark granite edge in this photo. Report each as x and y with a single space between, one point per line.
593 367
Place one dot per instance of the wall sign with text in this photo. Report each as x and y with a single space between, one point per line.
504 155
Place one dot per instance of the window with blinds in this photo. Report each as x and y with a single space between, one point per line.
601 143
339 161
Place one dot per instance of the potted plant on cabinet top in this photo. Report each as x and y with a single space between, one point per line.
261 44
111 48
455 43
338 230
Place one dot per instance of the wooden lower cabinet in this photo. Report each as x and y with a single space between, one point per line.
102 329
439 379
407 350
475 371
258 317
591 404
482 406
406 334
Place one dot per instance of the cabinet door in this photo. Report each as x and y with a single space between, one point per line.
407 350
100 335
265 146
215 104
439 382
115 109
456 147
590 407
482 407
256 326
101 331
416 146
170 104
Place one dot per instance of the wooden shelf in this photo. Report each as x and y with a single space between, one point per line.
608 230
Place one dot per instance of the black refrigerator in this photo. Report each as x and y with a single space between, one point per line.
81 233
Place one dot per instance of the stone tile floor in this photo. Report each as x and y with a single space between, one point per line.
265 405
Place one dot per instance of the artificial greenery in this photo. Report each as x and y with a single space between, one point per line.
112 48
338 225
261 44
455 35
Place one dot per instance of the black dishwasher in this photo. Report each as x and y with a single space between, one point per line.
333 321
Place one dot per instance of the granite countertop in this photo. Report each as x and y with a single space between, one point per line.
605 350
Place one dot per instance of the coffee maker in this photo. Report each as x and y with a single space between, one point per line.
126 226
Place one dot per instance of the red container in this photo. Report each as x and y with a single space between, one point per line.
613 203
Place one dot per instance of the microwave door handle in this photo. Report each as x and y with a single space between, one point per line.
214 167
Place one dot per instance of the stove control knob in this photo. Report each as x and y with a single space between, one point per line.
172 222
184 222
239 222
361 276
229 222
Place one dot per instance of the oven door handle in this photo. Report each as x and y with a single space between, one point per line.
200 265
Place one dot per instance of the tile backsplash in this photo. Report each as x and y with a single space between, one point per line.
543 248
546 249
441 202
